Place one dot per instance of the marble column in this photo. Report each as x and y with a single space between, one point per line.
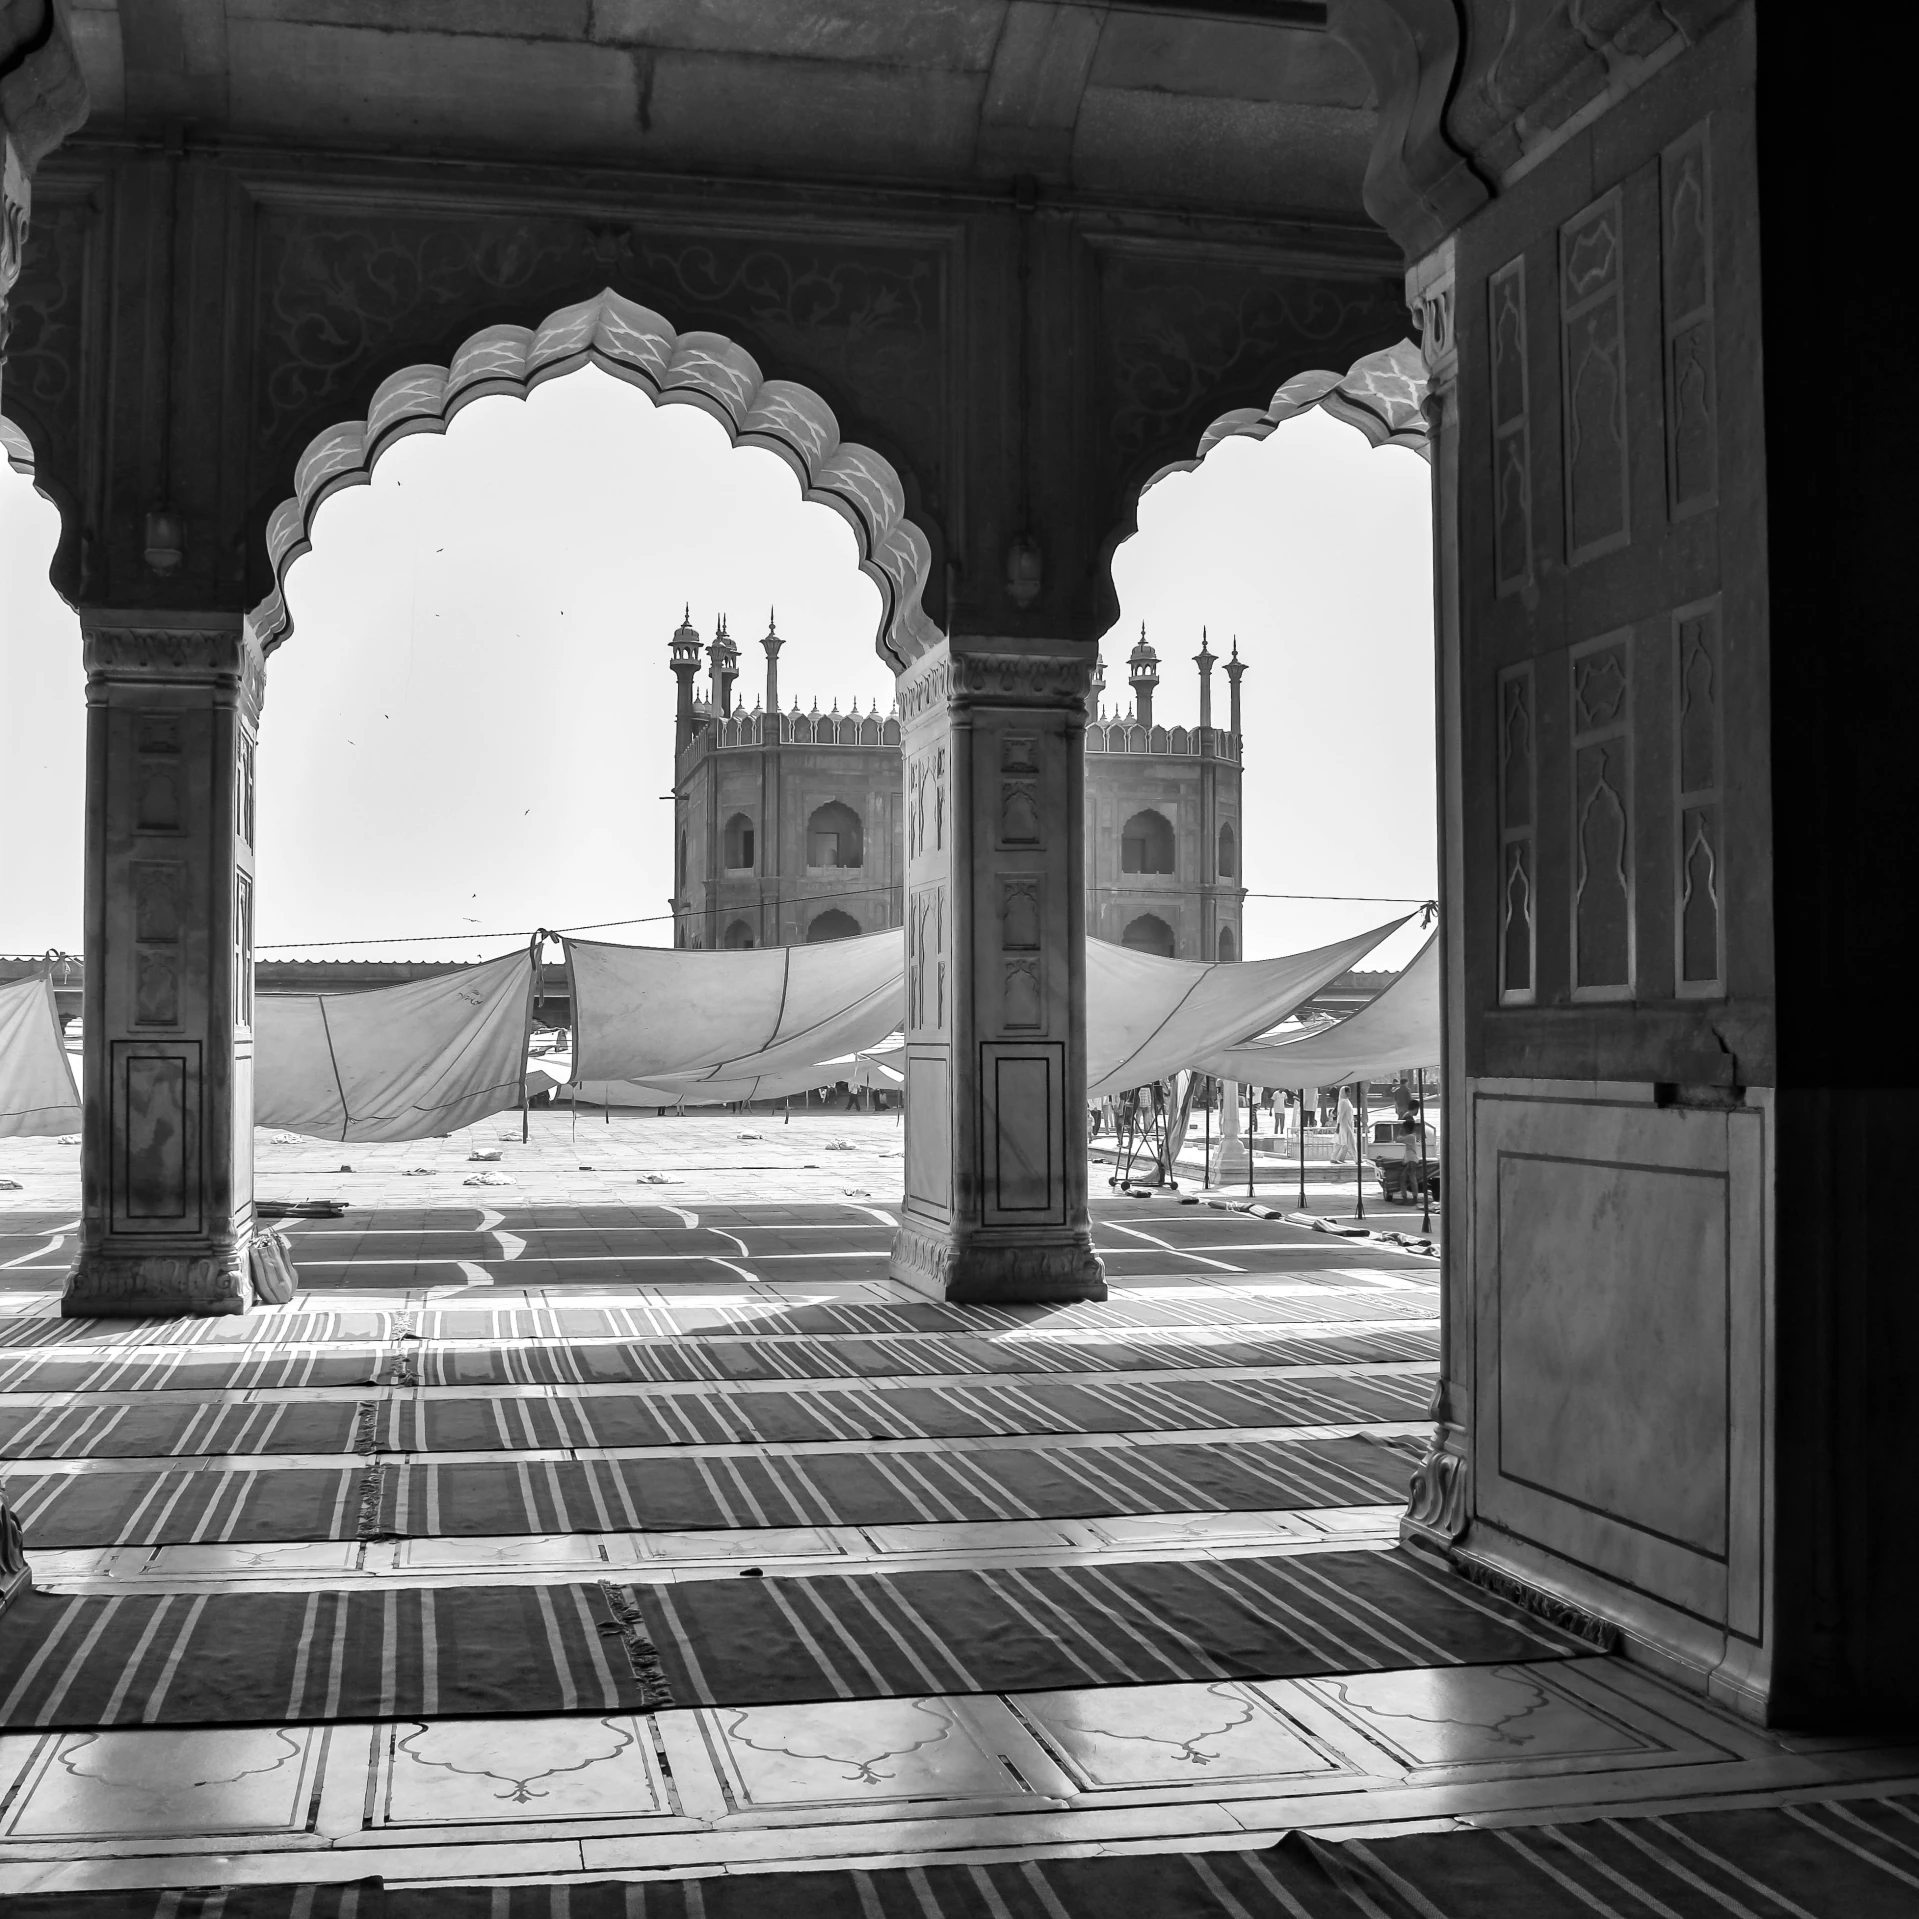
996 1166
15 201
1439 1509
173 707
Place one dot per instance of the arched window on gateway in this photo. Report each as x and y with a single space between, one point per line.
739 844
833 837
1146 844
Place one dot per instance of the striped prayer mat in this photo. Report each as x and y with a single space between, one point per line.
1827 1859
688 1361
356 1899
178 1425
397 1652
371 1499
730 1315
1842 1859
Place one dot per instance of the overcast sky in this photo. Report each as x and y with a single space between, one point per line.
470 731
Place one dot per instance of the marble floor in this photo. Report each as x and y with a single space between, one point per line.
744 1310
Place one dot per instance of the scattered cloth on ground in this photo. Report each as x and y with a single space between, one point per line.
401 1062
299 1208
37 1091
485 1152
486 1179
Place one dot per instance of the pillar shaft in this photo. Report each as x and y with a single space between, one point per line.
173 704
994 739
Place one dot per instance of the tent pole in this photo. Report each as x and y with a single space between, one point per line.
1425 1191
1207 1180
1300 1095
1359 1157
1249 1139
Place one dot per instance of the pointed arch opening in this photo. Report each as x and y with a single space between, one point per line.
643 348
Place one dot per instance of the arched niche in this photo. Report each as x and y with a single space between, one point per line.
834 838
1146 844
1228 946
1149 934
1228 850
737 843
635 344
738 937
833 924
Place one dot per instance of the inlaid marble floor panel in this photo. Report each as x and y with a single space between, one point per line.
323 1565
898 1779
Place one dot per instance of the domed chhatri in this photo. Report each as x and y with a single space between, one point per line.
788 825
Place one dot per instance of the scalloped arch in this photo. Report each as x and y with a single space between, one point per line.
1383 395
637 345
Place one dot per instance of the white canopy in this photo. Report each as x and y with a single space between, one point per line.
697 1019
1148 1017
400 1062
882 1066
37 1093
1399 1030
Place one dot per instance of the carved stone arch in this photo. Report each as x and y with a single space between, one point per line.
635 344
1419 184
1382 394
18 450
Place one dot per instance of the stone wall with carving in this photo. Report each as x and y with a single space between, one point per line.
1020 387
1610 1329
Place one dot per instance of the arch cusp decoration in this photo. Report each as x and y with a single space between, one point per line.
1383 395
637 345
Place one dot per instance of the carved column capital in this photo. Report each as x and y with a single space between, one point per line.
1429 294
997 677
164 648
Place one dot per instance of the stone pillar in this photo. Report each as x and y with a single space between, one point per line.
993 748
1438 1513
1231 1155
173 708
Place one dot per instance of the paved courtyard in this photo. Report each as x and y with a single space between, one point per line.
621 1518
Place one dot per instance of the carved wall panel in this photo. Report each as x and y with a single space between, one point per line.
1020 1120
1619 1381
157 1091
1593 369
1019 808
1692 428
1181 335
1512 429
1602 834
1699 922
344 297
1518 806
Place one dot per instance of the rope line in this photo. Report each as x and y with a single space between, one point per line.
812 899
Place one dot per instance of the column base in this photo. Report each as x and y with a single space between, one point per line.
1002 1270
16 1576
1437 1512
157 1285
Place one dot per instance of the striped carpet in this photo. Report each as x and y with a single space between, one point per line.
1834 1859
189 1504
179 1425
760 1316
674 1360
382 1653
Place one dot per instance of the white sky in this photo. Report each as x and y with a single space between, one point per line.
470 731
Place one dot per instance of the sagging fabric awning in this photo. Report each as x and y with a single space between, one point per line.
1147 1017
37 1092
1396 1032
400 1062
702 1022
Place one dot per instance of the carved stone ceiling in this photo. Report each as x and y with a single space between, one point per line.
1241 104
